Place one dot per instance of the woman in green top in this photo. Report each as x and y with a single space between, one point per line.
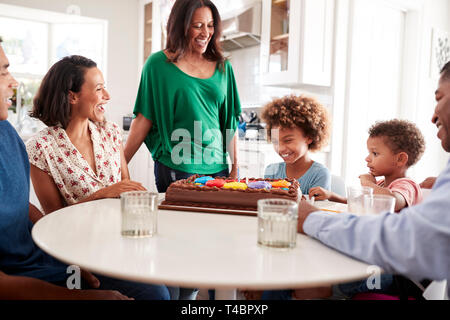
187 106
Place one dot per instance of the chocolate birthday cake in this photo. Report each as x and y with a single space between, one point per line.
224 193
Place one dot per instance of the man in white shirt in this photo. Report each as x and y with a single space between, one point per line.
415 243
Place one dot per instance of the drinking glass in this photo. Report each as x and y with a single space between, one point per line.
139 213
277 223
378 203
355 198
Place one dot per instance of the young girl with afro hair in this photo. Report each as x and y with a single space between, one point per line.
298 125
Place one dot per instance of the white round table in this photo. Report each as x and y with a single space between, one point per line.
193 250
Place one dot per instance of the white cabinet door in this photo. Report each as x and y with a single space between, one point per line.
150 30
318 42
254 157
249 163
141 168
297 42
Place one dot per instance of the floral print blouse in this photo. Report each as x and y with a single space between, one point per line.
52 151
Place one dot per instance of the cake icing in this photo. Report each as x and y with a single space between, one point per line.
228 193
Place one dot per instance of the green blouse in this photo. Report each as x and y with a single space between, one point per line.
193 119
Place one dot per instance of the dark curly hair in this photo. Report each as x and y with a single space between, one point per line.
299 112
400 136
51 103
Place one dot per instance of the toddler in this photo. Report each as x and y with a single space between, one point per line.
394 146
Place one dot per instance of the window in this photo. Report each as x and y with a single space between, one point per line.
375 76
34 40
25 44
81 39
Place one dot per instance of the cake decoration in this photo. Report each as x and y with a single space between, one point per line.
218 183
203 180
260 185
281 184
235 186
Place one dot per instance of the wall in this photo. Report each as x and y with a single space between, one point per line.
417 91
436 14
122 16
246 66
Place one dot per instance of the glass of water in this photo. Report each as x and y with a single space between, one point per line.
277 223
355 198
139 213
379 203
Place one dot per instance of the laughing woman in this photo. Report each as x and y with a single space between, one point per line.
187 106
79 157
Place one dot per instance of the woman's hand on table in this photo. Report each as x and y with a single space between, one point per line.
115 190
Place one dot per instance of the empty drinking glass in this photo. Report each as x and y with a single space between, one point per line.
277 223
139 213
355 198
378 203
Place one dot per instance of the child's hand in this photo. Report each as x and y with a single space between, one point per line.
319 193
367 178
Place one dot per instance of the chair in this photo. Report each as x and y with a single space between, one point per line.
338 185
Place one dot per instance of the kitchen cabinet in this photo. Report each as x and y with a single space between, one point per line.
254 157
297 42
151 33
141 168
153 16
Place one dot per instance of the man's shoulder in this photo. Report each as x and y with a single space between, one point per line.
7 129
8 134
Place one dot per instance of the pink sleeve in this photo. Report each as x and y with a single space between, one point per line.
408 189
